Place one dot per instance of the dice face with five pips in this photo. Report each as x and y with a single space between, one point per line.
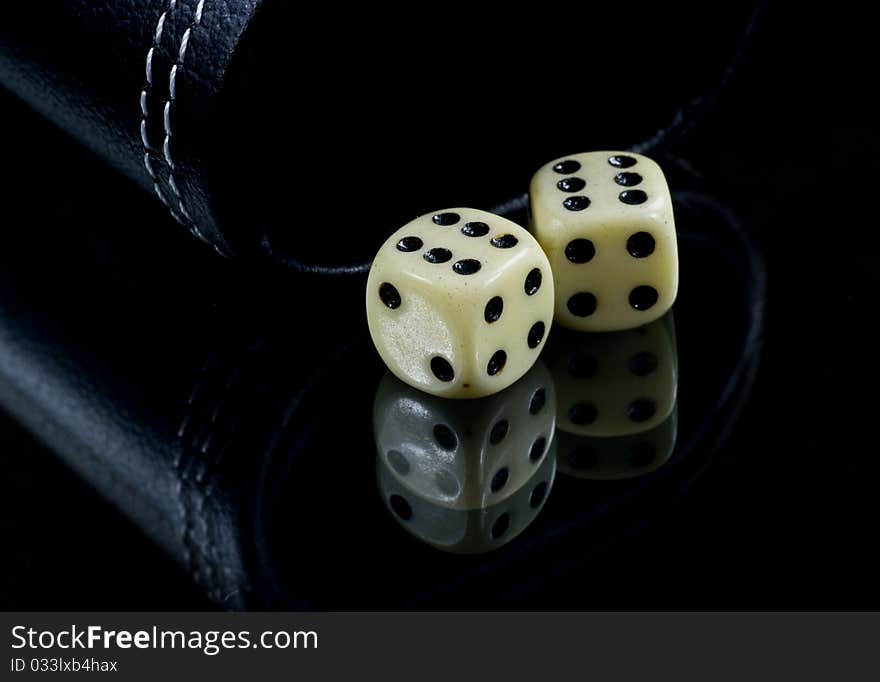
605 221
459 302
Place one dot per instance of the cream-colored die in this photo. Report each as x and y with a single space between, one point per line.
605 221
614 384
459 302
465 455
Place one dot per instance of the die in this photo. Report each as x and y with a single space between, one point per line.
620 457
465 454
459 302
605 221
617 383
467 531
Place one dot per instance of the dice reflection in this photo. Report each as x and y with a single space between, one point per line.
466 476
617 383
615 458
465 454
467 531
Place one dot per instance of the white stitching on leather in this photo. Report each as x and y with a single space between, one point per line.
172 82
166 115
166 143
180 212
148 67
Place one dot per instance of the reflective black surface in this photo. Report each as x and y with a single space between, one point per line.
264 468
457 526
228 412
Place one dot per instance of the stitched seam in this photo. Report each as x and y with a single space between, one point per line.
166 115
179 213
186 484
148 69
197 468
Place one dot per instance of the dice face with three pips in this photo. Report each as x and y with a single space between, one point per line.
459 302
605 221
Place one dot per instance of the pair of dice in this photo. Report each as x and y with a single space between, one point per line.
459 302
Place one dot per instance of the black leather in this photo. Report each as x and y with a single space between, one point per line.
103 71
226 409
116 353
303 136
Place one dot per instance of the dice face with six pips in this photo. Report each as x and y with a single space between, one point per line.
459 302
605 221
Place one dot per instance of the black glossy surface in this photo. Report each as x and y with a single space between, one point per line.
768 501
582 366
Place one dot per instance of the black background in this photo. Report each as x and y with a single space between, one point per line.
786 520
